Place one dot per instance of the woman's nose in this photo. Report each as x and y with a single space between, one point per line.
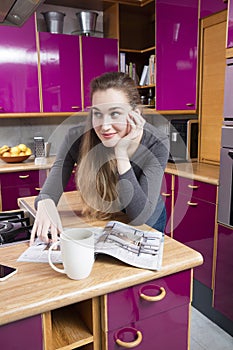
106 122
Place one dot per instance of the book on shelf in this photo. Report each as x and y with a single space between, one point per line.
139 248
122 62
144 76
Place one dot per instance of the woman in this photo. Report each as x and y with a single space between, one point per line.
120 160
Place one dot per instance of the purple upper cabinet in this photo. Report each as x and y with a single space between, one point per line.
230 24
60 72
176 50
209 7
100 55
19 89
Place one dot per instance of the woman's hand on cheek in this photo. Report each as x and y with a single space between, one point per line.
135 124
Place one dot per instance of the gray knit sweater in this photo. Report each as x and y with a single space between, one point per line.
138 188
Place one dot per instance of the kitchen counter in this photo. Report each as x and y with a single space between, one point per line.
197 171
194 170
36 288
27 165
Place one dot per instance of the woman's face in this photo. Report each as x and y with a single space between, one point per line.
110 109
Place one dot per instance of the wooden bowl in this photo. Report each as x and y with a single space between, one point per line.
17 159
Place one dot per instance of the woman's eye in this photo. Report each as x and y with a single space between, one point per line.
97 115
115 114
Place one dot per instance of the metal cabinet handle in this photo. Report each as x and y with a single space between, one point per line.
193 186
75 107
37 188
166 194
131 344
192 204
156 297
189 104
23 176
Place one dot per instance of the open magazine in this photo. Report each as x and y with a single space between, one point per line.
135 247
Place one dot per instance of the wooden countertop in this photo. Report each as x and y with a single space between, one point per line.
36 288
194 170
27 165
197 171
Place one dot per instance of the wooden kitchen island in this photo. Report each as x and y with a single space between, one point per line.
42 309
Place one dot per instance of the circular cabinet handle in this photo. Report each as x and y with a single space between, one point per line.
23 176
158 297
165 194
192 204
193 186
132 344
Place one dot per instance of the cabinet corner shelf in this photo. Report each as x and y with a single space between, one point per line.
146 86
138 51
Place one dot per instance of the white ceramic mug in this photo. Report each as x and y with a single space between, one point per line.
77 251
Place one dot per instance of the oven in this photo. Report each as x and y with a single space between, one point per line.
14 227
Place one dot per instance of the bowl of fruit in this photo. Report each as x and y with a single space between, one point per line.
15 154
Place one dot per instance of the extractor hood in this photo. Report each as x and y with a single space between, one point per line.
16 12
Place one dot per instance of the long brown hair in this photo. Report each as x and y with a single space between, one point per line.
97 174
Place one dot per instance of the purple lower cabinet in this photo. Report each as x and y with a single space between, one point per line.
25 334
20 184
162 323
167 330
223 291
100 55
194 224
166 193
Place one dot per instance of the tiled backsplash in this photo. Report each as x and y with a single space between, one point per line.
53 129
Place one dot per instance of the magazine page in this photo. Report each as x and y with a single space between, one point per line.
138 248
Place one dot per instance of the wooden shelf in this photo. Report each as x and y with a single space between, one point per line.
68 329
152 48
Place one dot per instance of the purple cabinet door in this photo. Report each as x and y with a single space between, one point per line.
168 330
24 334
176 52
100 55
166 192
19 89
127 306
223 292
163 324
60 72
194 224
230 24
20 184
209 7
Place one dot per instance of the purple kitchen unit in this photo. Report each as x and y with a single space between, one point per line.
100 55
60 72
176 54
151 315
19 69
